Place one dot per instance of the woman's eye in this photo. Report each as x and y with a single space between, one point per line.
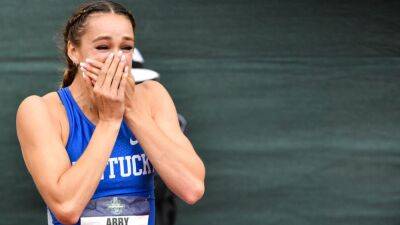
102 47
127 48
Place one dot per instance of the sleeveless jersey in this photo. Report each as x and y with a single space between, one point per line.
128 171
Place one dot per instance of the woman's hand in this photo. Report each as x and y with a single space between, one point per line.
134 107
137 108
109 87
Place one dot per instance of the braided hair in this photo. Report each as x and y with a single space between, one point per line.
74 30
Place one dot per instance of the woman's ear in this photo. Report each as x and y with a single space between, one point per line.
73 52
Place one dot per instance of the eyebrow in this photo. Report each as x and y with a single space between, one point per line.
109 38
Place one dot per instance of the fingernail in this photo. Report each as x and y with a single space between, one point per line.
83 65
120 53
126 69
89 60
123 58
111 55
84 75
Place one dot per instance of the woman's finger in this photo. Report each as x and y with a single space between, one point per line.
90 68
131 80
88 83
118 74
92 77
122 85
104 70
111 70
95 63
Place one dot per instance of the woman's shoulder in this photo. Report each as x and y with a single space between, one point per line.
33 102
48 100
52 100
36 107
152 89
158 97
32 112
150 84
49 104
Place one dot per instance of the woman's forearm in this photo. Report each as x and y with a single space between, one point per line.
77 185
180 169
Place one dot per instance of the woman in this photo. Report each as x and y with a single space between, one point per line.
93 146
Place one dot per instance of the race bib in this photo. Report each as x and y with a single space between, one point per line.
117 210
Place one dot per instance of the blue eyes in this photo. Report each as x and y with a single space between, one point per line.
105 47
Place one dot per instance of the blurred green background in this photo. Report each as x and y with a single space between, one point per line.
293 105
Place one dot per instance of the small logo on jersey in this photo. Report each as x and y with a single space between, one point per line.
115 206
133 142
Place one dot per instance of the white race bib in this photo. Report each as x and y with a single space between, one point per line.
115 220
117 210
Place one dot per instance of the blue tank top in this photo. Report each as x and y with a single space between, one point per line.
128 171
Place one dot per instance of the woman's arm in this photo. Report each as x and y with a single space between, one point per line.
168 149
66 189
157 129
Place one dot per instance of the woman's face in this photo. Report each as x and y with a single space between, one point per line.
106 33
